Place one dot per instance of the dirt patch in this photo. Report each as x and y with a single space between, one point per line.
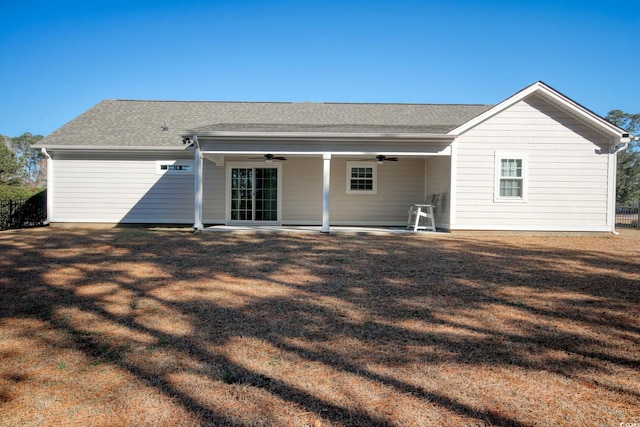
110 327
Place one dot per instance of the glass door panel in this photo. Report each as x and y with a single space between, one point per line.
254 194
242 194
266 185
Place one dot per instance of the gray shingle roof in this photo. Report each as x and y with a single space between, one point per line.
123 123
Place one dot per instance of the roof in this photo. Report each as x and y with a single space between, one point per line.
147 124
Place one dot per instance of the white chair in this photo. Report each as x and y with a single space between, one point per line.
421 215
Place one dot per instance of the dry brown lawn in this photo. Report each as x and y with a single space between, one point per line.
119 327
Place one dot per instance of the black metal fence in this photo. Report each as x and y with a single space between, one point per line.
22 213
628 215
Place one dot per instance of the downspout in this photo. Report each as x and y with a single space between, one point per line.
197 224
49 185
622 144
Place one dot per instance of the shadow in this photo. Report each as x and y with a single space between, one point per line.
167 196
169 199
266 329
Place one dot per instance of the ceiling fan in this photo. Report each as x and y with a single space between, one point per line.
270 158
380 159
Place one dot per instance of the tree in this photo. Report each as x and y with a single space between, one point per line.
628 183
30 160
9 165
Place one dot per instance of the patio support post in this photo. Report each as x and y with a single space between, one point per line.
326 158
197 165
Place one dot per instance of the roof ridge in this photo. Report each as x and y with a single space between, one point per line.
449 104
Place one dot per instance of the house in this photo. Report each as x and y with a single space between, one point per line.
537 161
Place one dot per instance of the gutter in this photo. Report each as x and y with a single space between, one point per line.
111 147
625 140
314 136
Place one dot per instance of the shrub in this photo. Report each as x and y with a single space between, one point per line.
18 192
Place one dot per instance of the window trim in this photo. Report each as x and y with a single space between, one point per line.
374 177
510 155
180 162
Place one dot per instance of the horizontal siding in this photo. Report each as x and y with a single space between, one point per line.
213 193
438 181
567 177
115 191
126 155
130 191
302 190
399 185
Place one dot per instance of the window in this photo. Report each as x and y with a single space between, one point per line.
511 185
174 167
362 178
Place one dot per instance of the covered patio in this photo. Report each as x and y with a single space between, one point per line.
318 179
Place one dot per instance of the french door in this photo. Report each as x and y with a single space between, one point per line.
253 193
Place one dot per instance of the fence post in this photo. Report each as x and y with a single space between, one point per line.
10 213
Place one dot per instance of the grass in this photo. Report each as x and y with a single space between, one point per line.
168 328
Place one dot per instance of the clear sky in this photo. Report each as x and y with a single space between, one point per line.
58 58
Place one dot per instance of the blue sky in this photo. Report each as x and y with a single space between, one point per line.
59 58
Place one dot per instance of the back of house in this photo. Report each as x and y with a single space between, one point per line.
538 161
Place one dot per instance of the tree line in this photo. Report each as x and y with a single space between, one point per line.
628 170
22 166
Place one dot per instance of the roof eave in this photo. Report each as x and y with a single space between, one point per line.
112 147
311 136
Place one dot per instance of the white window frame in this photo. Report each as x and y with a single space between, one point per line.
181 162
374 177
510 155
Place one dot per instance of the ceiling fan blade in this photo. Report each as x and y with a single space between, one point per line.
271 157
391 159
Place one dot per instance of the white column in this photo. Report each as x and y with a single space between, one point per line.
453 186
326 158
197 165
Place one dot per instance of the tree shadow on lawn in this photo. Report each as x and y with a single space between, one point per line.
331 327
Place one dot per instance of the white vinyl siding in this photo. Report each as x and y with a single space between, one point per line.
399 184
302 191
213 193
438 181
117 190
566 177
124 188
